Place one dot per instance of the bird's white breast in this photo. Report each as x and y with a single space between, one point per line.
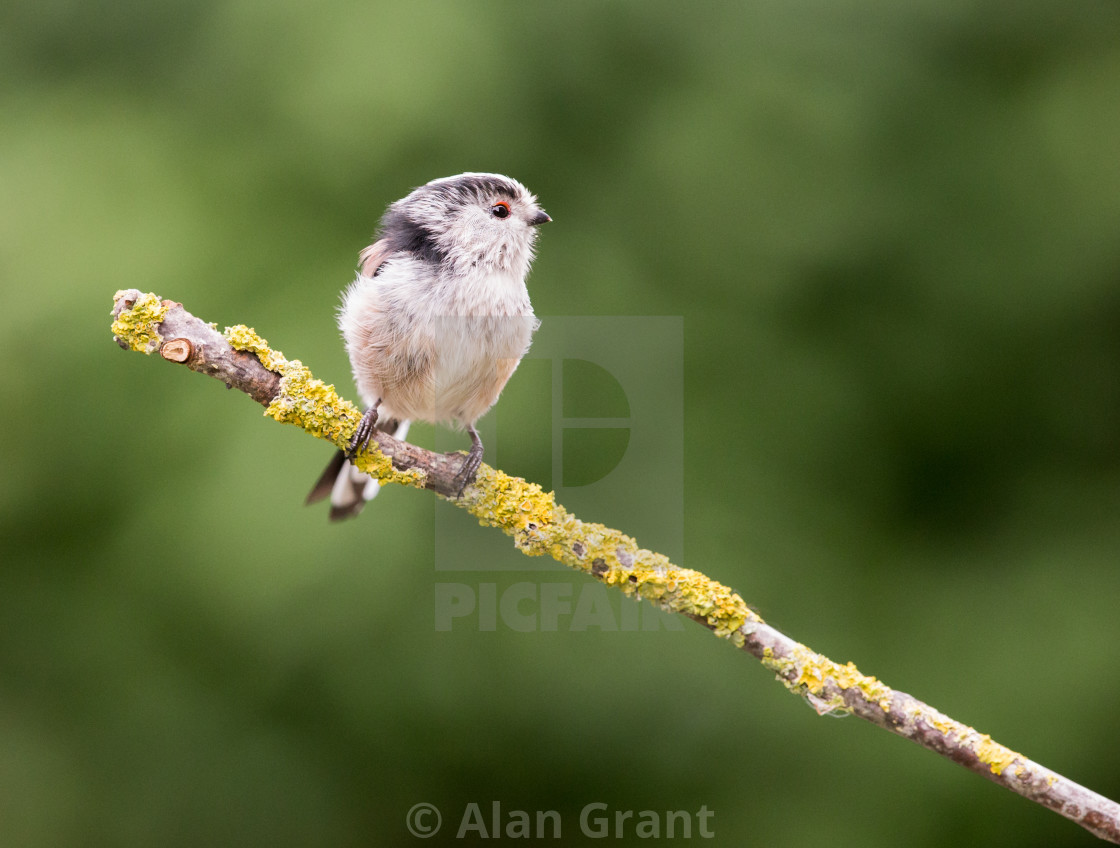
432 347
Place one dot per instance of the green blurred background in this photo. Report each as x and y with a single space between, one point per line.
893 233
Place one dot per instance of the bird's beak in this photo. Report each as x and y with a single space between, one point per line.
539 217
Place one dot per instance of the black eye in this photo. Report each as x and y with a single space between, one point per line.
500 209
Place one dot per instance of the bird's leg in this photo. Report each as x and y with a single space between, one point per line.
471 462
365 431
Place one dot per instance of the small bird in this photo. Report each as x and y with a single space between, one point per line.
437 319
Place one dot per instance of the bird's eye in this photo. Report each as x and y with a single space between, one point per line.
500 209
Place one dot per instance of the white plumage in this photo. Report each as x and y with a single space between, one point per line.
439 315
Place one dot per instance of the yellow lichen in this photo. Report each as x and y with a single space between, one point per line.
539 526
315 406
138 326
996 756
241 337
814 676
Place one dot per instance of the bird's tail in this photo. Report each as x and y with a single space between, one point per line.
349 488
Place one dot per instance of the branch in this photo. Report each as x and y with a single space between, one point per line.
243 360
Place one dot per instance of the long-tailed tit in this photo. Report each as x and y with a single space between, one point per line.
437 319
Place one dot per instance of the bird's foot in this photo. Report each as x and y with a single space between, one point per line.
471 462
366 428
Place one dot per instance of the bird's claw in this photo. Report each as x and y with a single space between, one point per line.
469 469
362 435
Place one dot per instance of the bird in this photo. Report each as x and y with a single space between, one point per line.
437 319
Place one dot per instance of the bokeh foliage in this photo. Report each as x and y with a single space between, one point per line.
893 232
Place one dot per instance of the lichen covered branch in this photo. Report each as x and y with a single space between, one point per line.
539 526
